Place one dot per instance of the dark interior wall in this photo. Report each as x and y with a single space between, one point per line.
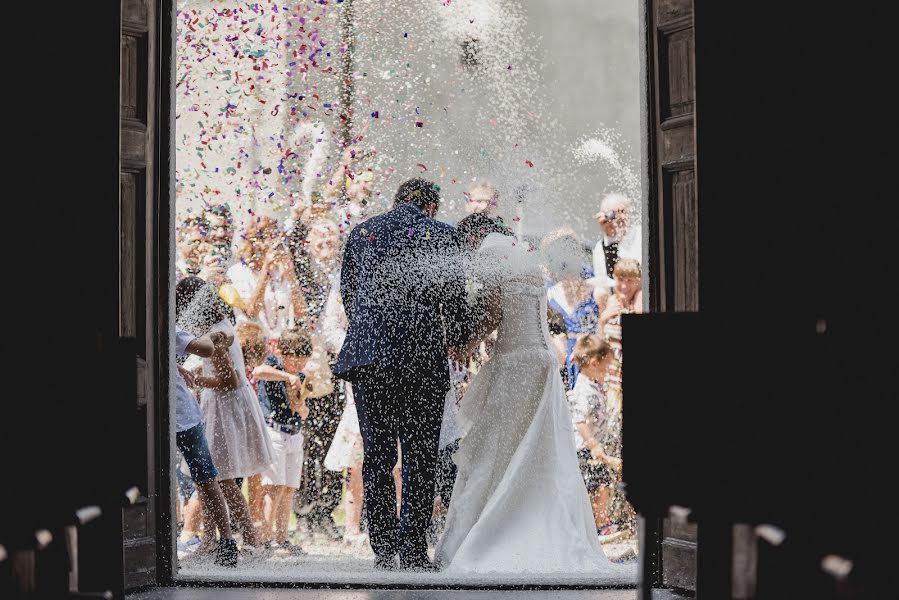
795 139
67 444
793 132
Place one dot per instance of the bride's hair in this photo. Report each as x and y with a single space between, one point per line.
475 227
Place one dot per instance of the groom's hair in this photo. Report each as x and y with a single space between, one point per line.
419 192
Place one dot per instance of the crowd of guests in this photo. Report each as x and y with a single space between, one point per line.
265 430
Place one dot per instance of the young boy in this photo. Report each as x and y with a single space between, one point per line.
627 296
192 444
282 385
596 453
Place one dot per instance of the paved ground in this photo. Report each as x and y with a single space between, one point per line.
330 562
297 594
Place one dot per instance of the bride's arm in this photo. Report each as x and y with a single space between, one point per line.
488 323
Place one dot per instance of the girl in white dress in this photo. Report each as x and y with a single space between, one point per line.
232 417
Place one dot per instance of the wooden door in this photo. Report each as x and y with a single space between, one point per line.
673 213
138 272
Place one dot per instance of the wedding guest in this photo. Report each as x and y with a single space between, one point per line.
345 453
283 386
587 402
620 238
214 271
265 279
220 230
628 295
254 350
192 245
237 435
350 187
482 198
626 298
252 246
572 299
191 441
189 510
317 265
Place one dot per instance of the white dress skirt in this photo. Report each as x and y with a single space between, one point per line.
346 449
519 502
235 428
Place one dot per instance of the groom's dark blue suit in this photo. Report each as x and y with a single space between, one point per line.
403 292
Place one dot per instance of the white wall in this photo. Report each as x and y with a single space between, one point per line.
574 71
574 75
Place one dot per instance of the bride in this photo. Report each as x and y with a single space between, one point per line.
519 502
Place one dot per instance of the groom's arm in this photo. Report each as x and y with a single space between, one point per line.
457 314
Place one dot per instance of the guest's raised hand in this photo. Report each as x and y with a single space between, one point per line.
613 307
220 339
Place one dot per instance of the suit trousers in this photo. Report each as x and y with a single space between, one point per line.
404 404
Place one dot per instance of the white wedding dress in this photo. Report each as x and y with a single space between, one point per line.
519 504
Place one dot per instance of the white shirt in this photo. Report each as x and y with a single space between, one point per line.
277 307
630 247
244 281
582 400
332 324
187 411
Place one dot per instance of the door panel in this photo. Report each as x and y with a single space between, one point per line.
674 211
136 266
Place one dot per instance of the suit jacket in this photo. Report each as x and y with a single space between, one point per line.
400 271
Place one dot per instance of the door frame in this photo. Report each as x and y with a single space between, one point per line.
650 527
163 248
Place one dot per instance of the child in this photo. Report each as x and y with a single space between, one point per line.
593 357
282 385
626 298
235 427
254 349
192 444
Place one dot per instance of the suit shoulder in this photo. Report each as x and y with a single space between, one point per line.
364 228
445 227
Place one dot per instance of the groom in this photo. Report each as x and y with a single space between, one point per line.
403 291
